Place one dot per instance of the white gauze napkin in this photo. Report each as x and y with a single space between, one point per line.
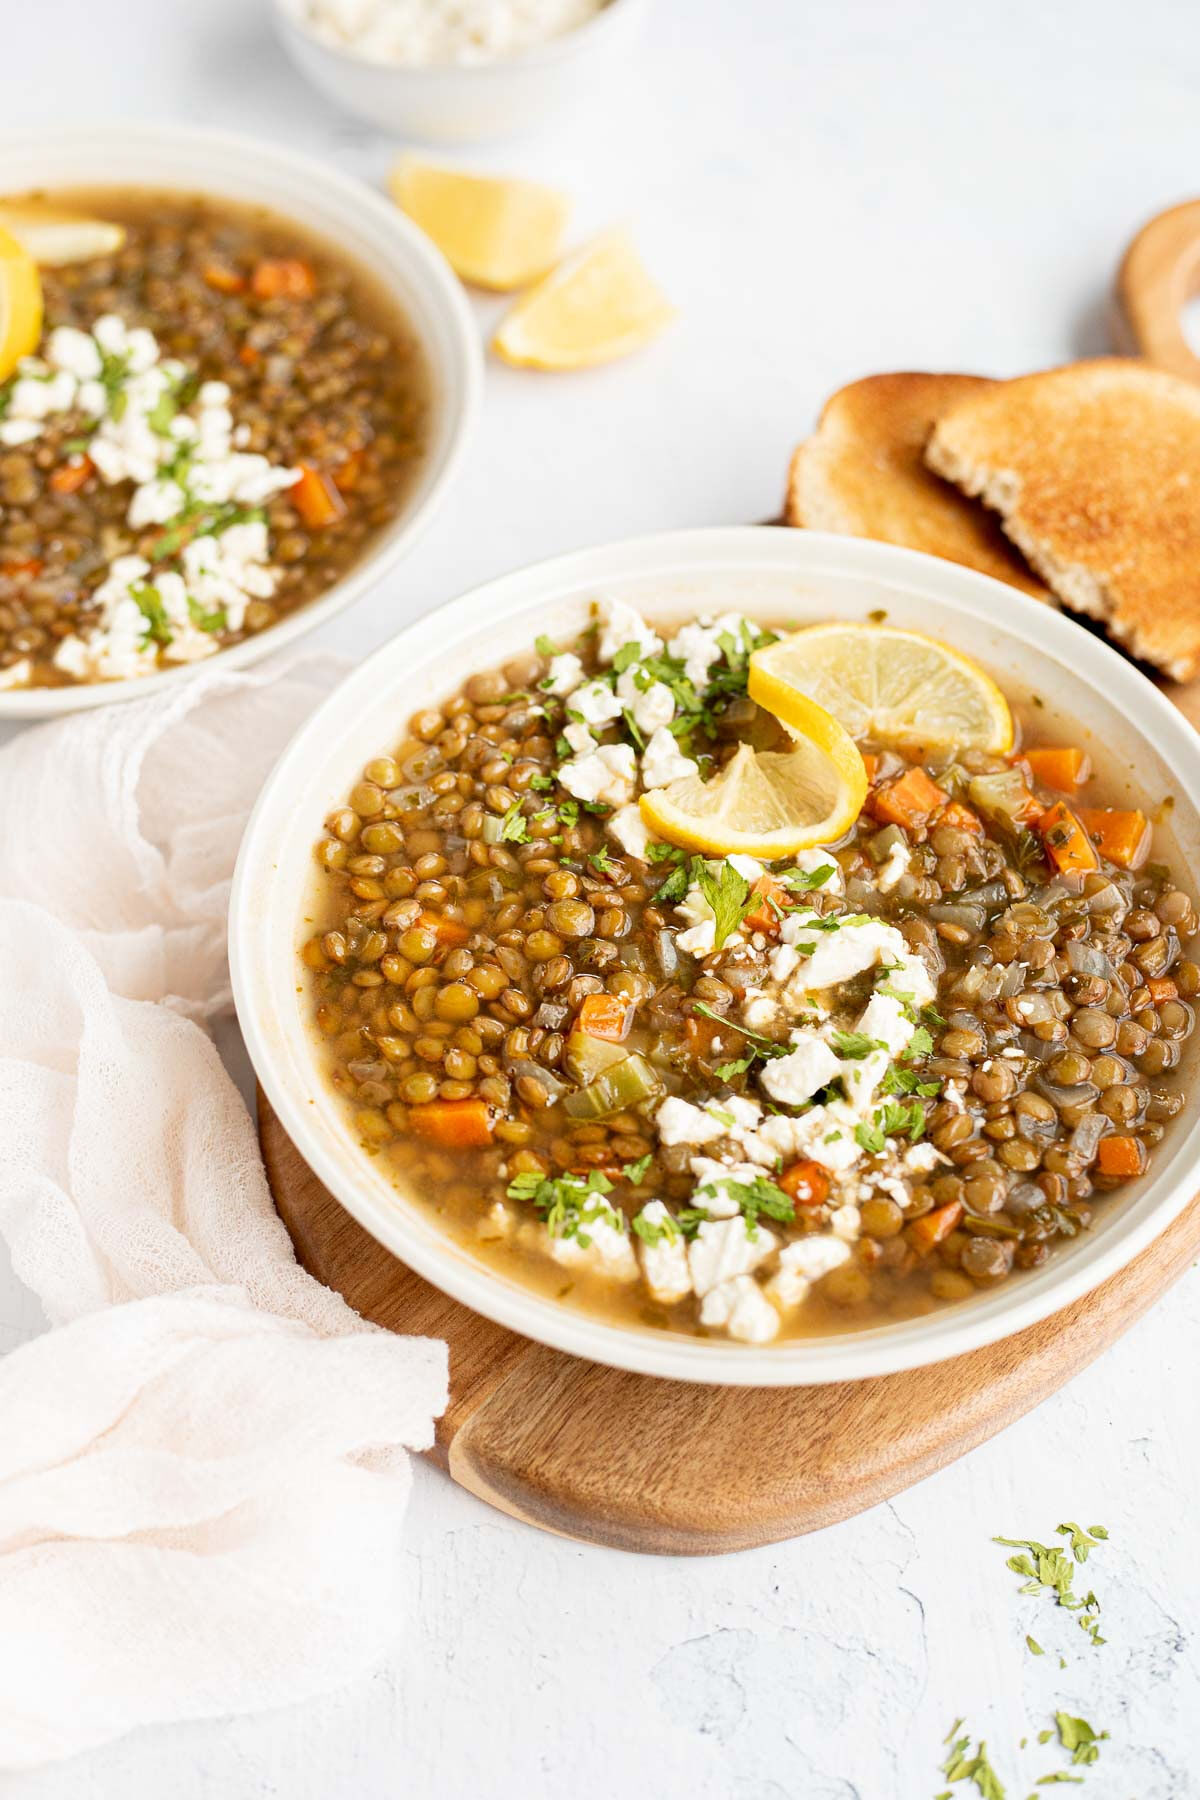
204 1464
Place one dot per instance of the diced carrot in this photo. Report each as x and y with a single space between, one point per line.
283 277
762 915
871 764
1121 1157
910 800
27 569
316 498
1063 767
248 356
807 1183
224 278
447 931
349 473
962 818
454 1124
1161 988
69 477
605 1016
1124 837
1067 844
927 1232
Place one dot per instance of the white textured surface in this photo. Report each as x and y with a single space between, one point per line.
823 191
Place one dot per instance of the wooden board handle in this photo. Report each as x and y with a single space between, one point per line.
1159 274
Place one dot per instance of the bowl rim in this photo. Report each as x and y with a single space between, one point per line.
1157 726
554 50
464 364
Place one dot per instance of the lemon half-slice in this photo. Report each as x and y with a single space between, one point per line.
597 305
20 304
54 238
493 231
894 686
768 803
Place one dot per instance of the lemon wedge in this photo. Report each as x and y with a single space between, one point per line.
20 304
894 686
494 232
53 238
767 803
597 305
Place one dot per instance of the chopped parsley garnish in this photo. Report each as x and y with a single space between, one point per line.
541 783
636 1171
961 1765
568 1203
1077 1736
206 621
763 1046
1049 1569
625 658
545 646
803 881
852 1046
754 1197
656 1231
150 605
727 893
894 1119
513 829
602 861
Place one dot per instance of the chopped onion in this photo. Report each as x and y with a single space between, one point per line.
1106 899
664 949
1087 1135
1089 959
1081 1093
953 913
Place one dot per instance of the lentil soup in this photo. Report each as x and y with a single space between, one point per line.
720 1098
220 417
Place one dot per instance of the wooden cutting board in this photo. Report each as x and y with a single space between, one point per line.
641 1464
668 1466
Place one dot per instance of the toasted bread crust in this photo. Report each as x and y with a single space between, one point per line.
862 474
1094 469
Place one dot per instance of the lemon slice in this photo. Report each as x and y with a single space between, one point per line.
54 238
494 232
897 687
20 304
767 803
597 305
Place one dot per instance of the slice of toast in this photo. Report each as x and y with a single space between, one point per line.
1095 471
862 474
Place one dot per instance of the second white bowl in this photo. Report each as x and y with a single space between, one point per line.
352 219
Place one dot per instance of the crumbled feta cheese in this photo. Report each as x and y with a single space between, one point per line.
802 1262
723 1248
19 431
595 703
663 761
607 1252
759 1009
621 625
650 704
748 867
695 644
418 33
825 1135
154 503
75 351
810 861
630 831
838 955
17 674
664 1264
564 675
894 866
578 737
679 1122
845 1222
607 773
796 1077
741 1307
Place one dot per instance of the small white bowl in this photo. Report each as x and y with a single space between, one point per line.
773 574
350 218
454 103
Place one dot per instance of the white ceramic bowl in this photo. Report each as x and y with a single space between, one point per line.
453 103
352 219
777 575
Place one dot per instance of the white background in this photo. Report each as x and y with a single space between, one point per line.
824 191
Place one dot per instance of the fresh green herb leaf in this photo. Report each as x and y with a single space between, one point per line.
636 1171
602 861
852 1046
513 829
656 1231
150 605
545 646
215 620
727 893
803 881
1077 1736
568 1203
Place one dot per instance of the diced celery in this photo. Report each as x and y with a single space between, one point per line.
585 1057
625 1084
1003 796
879 847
